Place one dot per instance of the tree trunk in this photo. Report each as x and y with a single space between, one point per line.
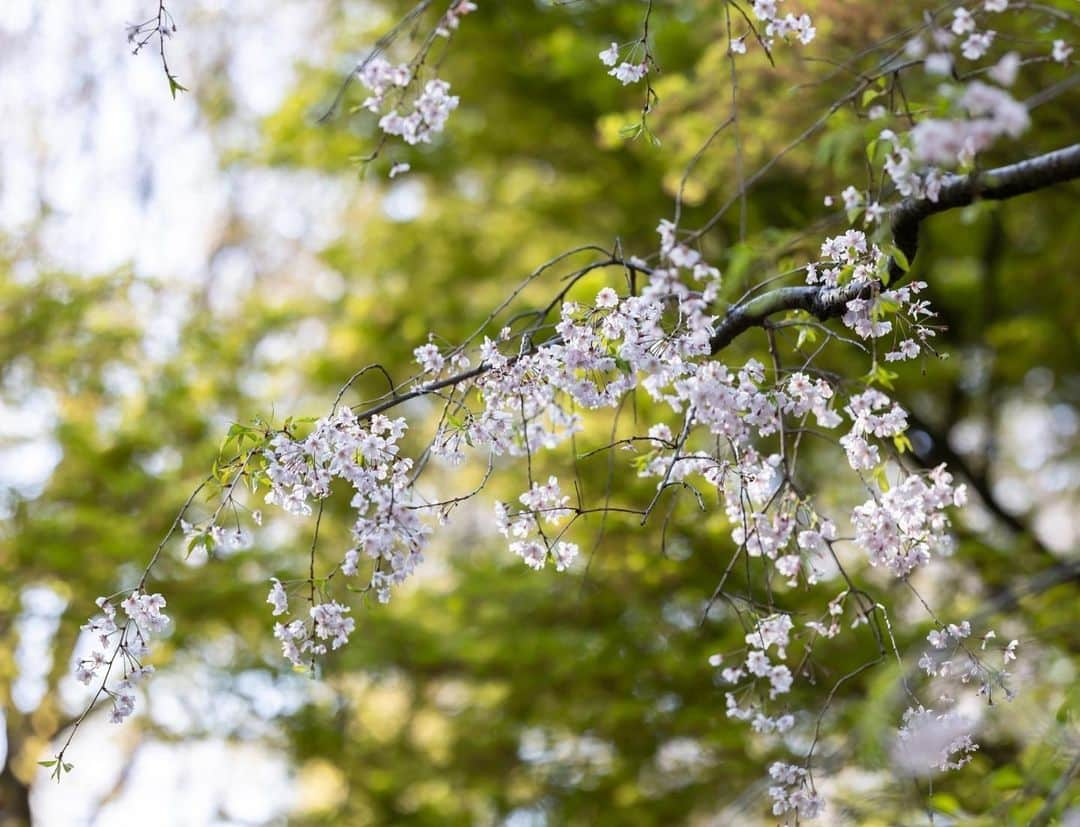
14 798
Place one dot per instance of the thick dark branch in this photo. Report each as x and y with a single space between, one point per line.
957 191
1067 571
939 451
824 302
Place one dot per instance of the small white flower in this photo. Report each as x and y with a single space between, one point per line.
962 22
1009 653
1005 70
977 44
607 299
331 623
938 63
277 597
627 73
429 358
564 554
853 199
610 56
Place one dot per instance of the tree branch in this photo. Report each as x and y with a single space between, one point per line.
1061 786
828 302
939 451
957 191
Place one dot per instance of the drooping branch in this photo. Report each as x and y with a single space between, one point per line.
957 191
823 302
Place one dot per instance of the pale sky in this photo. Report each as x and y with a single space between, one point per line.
100 169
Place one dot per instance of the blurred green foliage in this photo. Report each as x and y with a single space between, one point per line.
485 691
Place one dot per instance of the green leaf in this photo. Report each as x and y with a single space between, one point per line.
196 542
883 307
807 335
739 260
880 477
872 148
879 375
898 256
946 803
175 86
1007 778
845 274
46 763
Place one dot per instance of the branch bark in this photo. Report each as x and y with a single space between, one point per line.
825 303
939 451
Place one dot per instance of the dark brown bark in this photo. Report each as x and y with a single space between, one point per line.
14 798
825 303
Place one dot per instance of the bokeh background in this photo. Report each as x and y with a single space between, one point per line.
168 267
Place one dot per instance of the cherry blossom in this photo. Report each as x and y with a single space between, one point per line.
712 423
930 740
277 598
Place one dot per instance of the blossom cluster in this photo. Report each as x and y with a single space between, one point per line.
543 504
937 740
129 642
411 110
771 631
900 528
429 114
300 640
791 792
625 71
387 528
600 353
951 659
381 77
990 113
597 357
872 414
930 740
452 19
845 257
789 26
851 259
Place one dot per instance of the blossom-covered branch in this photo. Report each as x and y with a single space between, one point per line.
825 302
727 430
